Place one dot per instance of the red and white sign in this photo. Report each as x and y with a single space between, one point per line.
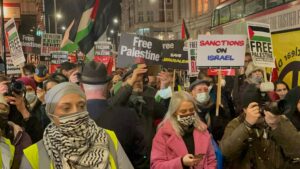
224 72
221 50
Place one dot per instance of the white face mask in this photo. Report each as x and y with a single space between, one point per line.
203 97
30 97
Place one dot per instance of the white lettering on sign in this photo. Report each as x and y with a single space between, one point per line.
141 43
168 46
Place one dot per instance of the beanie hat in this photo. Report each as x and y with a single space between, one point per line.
57 92
252 68
251 94
27 81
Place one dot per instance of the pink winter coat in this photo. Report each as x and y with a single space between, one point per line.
168 148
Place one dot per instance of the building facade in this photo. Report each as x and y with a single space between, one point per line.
163 18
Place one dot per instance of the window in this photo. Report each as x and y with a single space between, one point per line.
224 15
170 16
273 3
140 16
237 10
205 6
253 6
193 8
215 20
199 7
150 16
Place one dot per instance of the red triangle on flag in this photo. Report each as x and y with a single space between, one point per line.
251 33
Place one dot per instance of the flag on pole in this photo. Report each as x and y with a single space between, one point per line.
184 32
86 28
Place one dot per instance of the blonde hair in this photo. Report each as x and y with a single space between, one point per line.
175 102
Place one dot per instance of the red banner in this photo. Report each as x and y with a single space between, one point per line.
225 72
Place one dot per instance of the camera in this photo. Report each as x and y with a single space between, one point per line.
16 87
276 107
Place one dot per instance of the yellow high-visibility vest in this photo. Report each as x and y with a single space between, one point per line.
5 157
39 159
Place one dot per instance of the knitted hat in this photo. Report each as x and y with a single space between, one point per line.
252 68
251 94
27 81
54 95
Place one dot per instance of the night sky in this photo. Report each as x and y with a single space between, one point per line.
67 7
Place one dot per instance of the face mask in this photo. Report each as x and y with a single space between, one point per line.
187 120
73 124
165 93
203 97
30 97
257 80
223 82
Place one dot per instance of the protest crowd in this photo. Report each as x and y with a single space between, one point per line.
83 117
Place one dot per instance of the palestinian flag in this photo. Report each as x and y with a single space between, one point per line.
91 20
184 32
257 33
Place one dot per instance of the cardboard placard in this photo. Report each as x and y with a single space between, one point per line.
50 43
221 50
173 56
14 43
260 43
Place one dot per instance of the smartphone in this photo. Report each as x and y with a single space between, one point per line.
153 70
199 156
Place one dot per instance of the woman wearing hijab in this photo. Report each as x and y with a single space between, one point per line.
72 140
182 140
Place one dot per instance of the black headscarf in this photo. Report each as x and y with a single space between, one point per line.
292 98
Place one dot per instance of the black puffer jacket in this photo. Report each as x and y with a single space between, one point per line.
292 99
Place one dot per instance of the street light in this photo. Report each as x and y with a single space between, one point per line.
58 16
63 28
116 21
112 31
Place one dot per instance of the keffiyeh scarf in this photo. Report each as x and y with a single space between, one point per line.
77 143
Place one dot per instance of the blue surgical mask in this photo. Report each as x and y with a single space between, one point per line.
165 93
203 97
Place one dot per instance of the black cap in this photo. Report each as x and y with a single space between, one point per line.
94 73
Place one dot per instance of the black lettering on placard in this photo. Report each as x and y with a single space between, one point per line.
293 68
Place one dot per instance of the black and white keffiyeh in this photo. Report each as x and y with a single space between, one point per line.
77 143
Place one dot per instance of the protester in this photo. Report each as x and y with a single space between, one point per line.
30 92
28 70
254 75
67 69
41 74
292 99
19 111
122 120
73 140
256 141
177 143
12 136
281 89
134 95
207 109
